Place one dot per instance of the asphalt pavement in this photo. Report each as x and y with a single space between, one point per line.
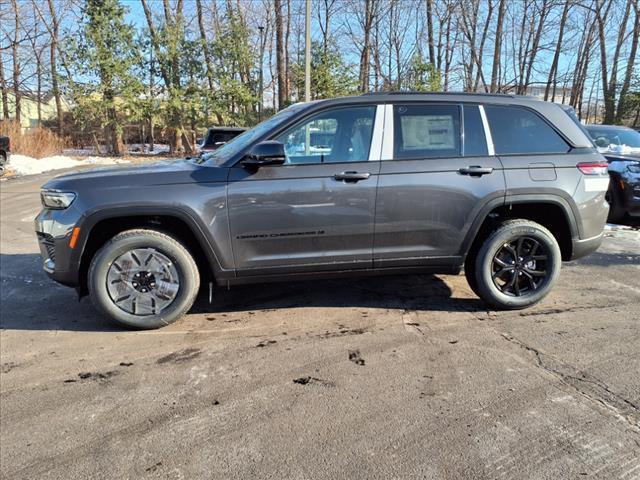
390 377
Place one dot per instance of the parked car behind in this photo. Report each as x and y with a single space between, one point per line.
621 147
5 153
218 136
503 186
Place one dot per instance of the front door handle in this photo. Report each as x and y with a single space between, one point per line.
351 176
475 170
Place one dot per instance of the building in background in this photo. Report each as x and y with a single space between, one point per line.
29 108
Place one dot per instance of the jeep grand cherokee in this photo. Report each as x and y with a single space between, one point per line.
504 187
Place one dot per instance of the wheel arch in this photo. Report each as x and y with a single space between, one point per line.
99 227
551 211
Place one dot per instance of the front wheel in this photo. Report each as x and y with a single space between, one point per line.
517 265
143 279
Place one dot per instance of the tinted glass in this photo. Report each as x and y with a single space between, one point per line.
611 136
244 140
475 143
339 135
426 131
517 130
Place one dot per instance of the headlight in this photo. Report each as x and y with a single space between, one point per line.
56 199
634 168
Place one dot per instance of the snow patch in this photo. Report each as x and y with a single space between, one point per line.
24 165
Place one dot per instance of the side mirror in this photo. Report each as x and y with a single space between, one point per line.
265 153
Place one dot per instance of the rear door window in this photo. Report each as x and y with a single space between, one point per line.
518 131
426 131
475 142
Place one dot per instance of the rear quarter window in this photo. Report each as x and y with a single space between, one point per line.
519 131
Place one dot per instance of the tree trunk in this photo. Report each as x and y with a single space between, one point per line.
4 90
16 64
53 50
544 12
497 49
205 47
280 53
365 61
553 71
430 32
620 111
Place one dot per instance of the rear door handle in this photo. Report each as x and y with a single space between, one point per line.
475 170
351 176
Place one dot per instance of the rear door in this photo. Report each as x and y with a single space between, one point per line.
315 212
436 175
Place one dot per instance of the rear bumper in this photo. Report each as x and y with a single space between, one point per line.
582 248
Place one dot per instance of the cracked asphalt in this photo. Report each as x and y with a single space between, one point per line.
398 377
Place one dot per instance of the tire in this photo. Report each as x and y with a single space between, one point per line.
470 272
535 270
616 209
143 279
3 162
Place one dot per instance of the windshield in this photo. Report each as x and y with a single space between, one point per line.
241 142
614 138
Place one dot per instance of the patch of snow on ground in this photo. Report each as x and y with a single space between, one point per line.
133 149
24 165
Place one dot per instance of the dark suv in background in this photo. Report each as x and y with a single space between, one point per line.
5 153
505 187
218 136
621 147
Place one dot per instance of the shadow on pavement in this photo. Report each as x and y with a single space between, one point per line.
411 292
32 301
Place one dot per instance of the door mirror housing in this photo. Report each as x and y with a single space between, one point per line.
269 152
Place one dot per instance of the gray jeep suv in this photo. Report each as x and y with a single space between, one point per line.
505 187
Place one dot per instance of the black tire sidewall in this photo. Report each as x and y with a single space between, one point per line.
185 266
616 210
487 289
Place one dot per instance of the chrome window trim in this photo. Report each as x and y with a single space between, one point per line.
377 138
387 143
487 132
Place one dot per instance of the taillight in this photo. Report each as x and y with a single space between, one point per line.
593 168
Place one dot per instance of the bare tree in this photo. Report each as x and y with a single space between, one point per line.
283 94
16 61
610 77
370 12
620 110
550 89
4 89
497 47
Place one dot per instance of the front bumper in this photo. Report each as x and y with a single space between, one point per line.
53 230
632 196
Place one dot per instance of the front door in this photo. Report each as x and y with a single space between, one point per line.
315 212
436 175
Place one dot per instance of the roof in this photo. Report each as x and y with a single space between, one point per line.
227 129
551 111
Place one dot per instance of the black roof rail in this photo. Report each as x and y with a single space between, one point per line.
508 95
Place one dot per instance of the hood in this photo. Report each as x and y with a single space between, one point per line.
614 157
157 173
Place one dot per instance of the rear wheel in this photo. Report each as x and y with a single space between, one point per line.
3 161
517 265
143 279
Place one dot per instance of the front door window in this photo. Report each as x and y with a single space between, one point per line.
334 136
